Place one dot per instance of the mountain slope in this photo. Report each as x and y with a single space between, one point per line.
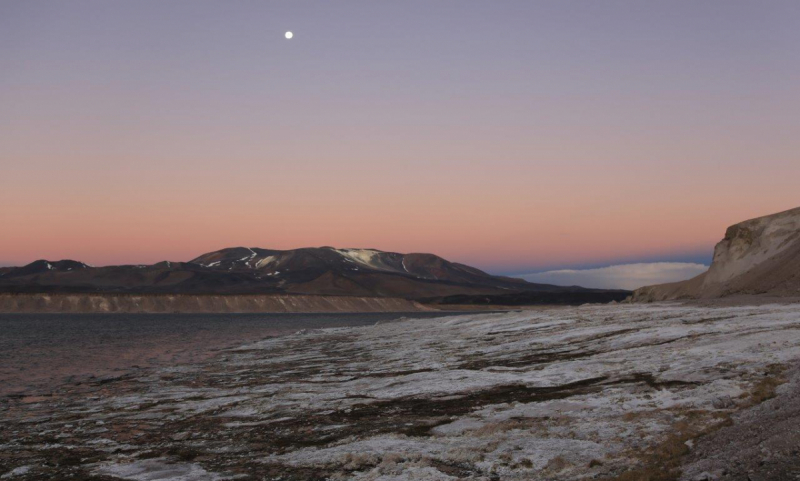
242 270
42 266
327 266
757 256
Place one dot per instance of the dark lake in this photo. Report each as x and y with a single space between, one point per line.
39 352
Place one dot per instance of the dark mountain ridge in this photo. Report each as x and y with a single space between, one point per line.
312 271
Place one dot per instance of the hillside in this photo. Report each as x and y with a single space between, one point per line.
323 271
757 257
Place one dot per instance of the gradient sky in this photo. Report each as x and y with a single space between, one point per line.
513 135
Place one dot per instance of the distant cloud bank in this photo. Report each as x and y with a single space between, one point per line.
623 276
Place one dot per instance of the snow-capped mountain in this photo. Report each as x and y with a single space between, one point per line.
251 270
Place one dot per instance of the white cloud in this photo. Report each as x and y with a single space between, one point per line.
623 276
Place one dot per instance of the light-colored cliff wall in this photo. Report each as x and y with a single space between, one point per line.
757 256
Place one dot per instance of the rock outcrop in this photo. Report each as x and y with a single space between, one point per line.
757 257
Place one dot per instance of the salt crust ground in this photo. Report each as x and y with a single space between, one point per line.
568 393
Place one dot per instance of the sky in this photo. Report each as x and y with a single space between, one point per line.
515 136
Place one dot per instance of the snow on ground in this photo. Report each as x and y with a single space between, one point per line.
563 393
158 470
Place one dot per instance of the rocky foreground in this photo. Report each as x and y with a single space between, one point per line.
598 392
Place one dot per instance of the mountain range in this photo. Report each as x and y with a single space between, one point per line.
325 271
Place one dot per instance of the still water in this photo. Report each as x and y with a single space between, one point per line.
39 352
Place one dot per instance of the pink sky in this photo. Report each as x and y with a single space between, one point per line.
134 133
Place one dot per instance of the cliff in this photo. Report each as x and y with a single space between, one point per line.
757 257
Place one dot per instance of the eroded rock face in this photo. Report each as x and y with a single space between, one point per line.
758 256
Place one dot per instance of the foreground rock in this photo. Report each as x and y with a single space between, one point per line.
759 256
570 393
760 444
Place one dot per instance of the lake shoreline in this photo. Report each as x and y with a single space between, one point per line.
39 353
200 303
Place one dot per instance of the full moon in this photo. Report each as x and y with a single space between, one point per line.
289 35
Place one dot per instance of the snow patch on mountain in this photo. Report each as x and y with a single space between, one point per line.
362 256
264 261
